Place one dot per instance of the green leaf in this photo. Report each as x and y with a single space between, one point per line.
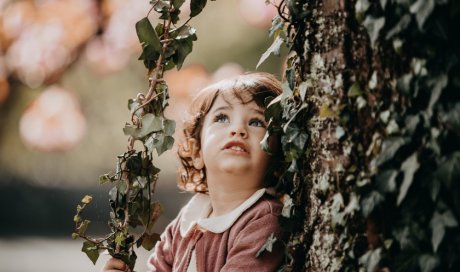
196 6
75 236
452 118
184 32
449 170
386 181
326 112
87 199
91 250
409 167
438 230
422 10
83 227
403 83
400 26
149 240
361 7
373 27
389 148
169 127
167 144
147 35
267 246
371 259
274 48
355 90
288 204
177 3
449 219
120 239
370 202
428 263
150 123
104 178
439 83
183 48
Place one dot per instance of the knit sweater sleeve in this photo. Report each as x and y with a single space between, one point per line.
242 255
163 255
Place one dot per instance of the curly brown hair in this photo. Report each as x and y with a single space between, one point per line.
257 86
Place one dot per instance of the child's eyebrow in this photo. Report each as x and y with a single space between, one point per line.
259 111
227 107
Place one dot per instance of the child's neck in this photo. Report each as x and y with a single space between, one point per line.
224 200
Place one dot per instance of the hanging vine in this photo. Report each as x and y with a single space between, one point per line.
164 47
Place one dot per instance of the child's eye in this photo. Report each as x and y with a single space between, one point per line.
257 122
221 118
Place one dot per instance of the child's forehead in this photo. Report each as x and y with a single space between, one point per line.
232 98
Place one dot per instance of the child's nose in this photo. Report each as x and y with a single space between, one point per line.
239 130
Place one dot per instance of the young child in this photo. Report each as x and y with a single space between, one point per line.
229 219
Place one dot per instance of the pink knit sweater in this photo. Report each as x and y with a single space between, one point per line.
225 243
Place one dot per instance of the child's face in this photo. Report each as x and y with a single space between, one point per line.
231 136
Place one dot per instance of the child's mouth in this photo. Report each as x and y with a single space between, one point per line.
236 146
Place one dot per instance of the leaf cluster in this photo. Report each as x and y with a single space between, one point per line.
133 207
414 172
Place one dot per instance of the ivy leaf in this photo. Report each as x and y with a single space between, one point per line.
449 171
274 48
409 167
422 10
148 35
452 117
87 199
370 202
169 127
438 230
149 240
150 123
355 90
196 6
91 250
440 82
104 178
177 3
389 148
371 259
303 90
326 112
400 26
267 246
361 7
184 47
166 144
83 227
151 45
386 181
277 26
184 32
428 262
373 26
288 204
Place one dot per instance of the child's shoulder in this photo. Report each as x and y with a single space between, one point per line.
267 205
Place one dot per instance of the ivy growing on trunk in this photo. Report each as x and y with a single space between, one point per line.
369 120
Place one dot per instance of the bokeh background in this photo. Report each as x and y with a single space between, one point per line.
67 70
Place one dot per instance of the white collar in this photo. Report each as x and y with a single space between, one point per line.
199 207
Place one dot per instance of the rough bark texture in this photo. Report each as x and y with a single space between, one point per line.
337 55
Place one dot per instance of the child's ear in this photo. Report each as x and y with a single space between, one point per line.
195 153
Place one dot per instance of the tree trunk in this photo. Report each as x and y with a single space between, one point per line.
379 109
